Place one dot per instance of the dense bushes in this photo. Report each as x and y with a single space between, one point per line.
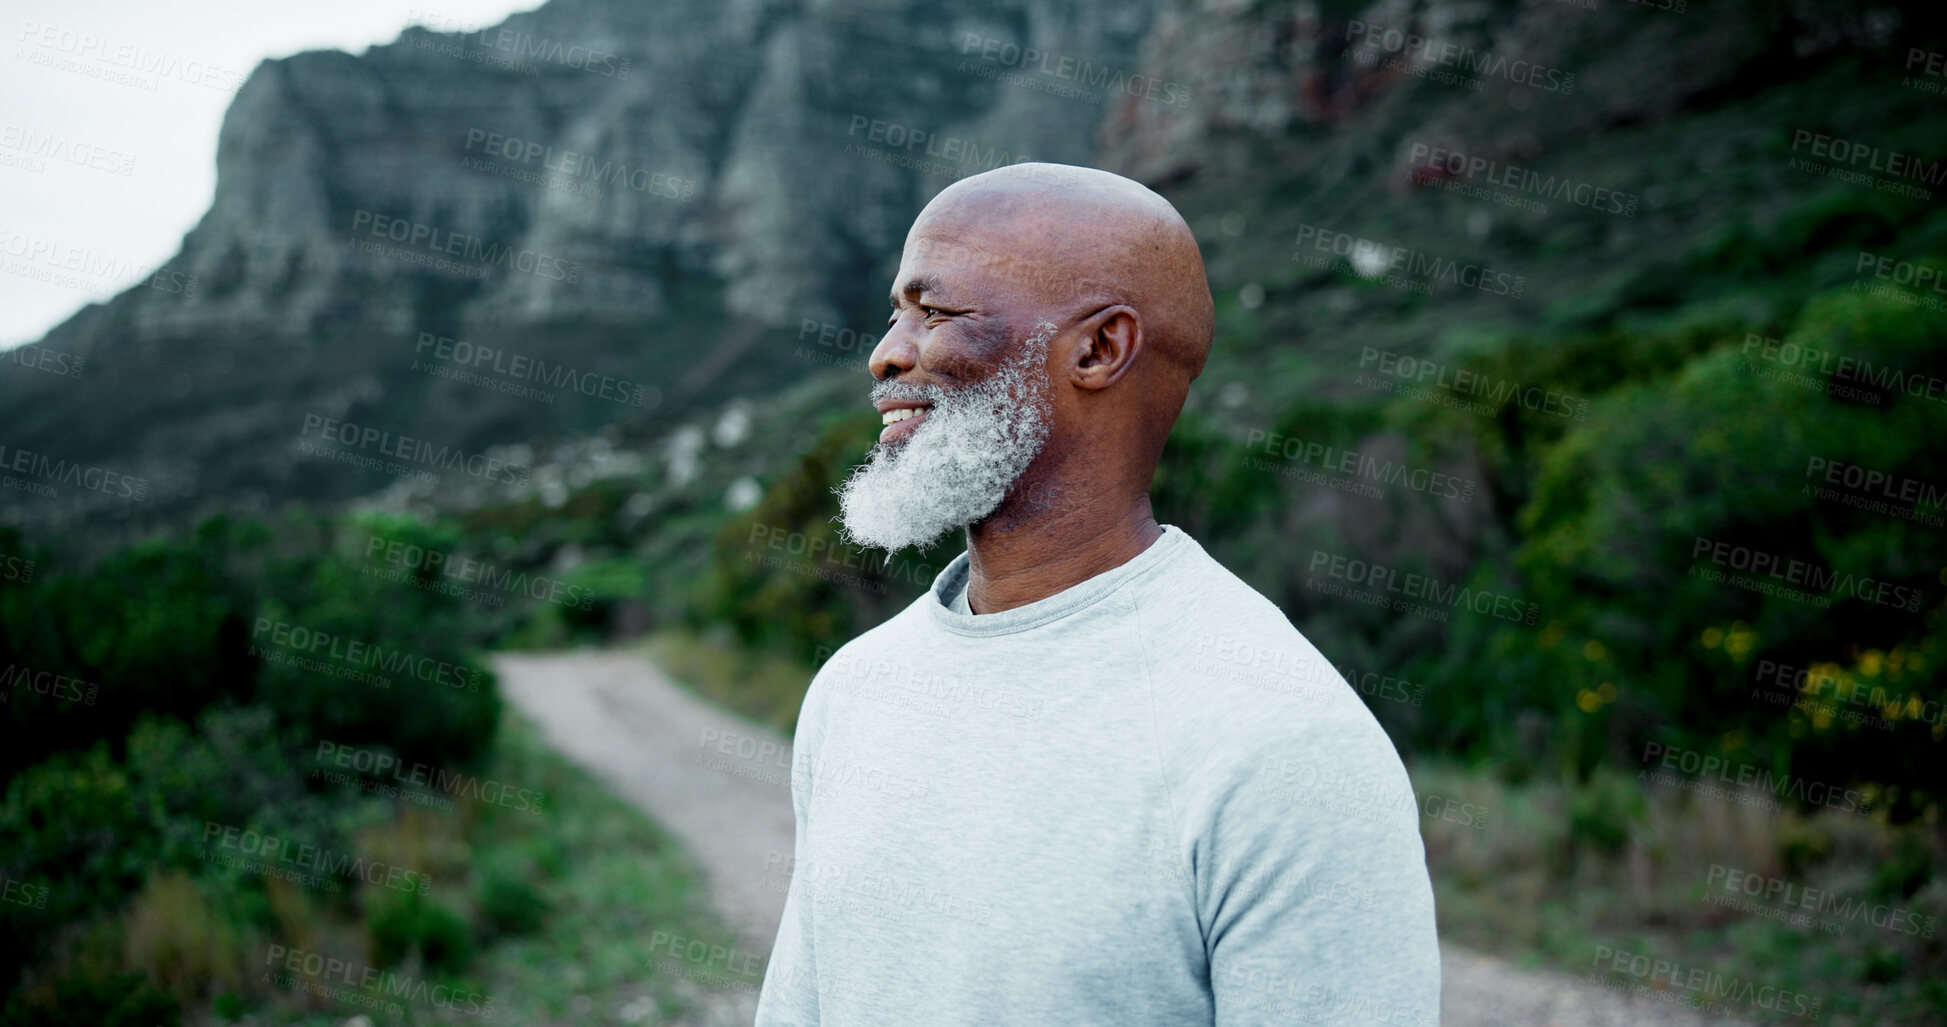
1641 538
186 683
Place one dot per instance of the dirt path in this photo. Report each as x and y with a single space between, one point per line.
721 786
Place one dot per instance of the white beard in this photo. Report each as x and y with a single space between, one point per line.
959 464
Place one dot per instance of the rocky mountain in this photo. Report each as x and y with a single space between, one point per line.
597 214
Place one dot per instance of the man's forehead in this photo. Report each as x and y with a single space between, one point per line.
939 262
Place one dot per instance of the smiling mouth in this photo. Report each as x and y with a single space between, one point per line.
900 422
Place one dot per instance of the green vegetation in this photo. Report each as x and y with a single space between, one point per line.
189 802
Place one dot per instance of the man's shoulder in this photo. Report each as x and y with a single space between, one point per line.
1200 623
1235 682
877 643
1195 583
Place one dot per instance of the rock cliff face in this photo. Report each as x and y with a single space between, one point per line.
630 208
604 212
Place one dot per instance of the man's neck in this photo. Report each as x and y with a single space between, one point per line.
1016 564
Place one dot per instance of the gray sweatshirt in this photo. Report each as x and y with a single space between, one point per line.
1146 799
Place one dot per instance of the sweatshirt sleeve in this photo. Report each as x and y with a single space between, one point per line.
789 997
1312 887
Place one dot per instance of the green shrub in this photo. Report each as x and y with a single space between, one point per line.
508 903
1603 811
1720 452
123 1000
399 925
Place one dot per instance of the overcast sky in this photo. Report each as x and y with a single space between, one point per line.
100 178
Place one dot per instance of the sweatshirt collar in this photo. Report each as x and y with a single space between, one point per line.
952 580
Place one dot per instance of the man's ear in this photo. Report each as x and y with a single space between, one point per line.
1111 339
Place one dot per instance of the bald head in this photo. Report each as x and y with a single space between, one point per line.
1076 237
1046 324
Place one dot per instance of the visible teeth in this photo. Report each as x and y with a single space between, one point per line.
898 414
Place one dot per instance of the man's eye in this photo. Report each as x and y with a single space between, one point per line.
925 312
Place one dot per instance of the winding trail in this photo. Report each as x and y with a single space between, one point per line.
721 786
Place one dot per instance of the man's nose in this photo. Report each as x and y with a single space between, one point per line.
895 354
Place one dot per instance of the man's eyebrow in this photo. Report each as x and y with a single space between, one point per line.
916 284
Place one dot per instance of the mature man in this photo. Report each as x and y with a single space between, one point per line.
1090 777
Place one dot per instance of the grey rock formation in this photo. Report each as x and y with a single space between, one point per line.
661 194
